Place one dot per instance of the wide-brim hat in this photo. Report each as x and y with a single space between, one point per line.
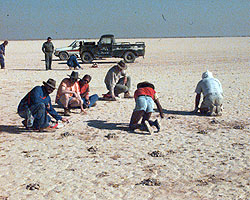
122 65
51 83
145 84
74 75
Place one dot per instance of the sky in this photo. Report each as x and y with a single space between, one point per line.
71 19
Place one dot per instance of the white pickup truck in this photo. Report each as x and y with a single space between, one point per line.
65 52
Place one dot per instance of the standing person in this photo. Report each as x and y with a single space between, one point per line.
145 97
2 53
72 62
88 101
48 49
35 106
212 92
68 94
117 82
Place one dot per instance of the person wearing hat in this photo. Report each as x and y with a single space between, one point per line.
117 81
2 53
68 94
212 92
35 106
88 101
145 97
48 49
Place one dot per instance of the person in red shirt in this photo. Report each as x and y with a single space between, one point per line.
88 101
145 97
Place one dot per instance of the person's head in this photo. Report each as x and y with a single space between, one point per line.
50 85
207 74
145 84
121 65
86 79
5 42
73 77
49 39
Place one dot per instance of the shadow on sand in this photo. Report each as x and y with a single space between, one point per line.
13 129
38 69
101 124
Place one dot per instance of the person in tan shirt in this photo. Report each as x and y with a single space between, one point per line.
68 94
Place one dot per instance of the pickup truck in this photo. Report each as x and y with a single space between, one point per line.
106 47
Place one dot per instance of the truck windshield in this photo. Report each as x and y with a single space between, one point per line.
72 43
106 40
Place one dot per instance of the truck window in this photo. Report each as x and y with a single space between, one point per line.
106 41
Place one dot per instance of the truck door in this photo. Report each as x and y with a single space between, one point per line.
105 47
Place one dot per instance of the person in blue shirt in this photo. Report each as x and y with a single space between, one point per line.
72 62
2 53
36 106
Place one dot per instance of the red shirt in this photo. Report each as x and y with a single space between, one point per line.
84 88
145 91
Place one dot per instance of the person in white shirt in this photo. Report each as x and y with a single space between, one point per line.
212 92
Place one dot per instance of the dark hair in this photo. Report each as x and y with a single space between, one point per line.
49 38
87 76
145 84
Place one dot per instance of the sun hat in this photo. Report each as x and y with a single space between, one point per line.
207 74
51 83
122 65
74 75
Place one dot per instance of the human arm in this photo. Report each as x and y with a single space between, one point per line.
43 48
197 102
157 102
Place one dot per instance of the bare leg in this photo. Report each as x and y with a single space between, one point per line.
65 100
135 118
146 116
74 102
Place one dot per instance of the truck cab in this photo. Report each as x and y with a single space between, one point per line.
105 45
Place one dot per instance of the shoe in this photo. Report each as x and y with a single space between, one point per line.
47 129
218 111
149 128
94 104
66 112
156 123
127 95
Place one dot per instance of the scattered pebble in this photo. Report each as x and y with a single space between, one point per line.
156 154
239 126
102 174
66 134
33 186
150 182
214 121
203 131
111 135
172 117
92 149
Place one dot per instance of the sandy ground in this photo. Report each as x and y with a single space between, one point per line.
200 157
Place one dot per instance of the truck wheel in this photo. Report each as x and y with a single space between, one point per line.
129 57
87 57
63 55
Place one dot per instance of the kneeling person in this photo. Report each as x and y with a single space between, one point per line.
35 106
88 101
145 97
72 62
212 92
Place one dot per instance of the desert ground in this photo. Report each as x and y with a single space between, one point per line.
192 157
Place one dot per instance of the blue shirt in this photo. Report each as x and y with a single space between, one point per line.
2 50
39 95
72 61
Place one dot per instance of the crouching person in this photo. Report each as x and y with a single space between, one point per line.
212 92
68 94
35 106
88 101
145 97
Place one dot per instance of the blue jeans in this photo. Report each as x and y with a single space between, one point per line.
41 119
144 103
92 99
2 63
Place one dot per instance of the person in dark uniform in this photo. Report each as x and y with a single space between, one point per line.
48 49
2 53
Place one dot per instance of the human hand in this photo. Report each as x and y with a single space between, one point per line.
83 112
65 120
196 110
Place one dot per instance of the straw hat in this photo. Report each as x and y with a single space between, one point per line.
51 83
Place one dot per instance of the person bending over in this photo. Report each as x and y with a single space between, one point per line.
145 97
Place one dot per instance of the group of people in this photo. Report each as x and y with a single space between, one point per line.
48 49
74 93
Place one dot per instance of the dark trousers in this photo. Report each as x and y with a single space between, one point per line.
2 63
41 119
48 60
